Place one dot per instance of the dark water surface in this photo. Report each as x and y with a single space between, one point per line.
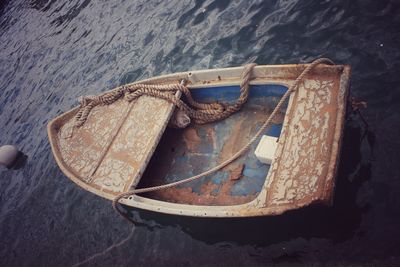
52 52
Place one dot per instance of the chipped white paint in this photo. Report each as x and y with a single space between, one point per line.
305 155
125 152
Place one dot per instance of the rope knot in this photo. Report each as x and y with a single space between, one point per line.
180 119
85 100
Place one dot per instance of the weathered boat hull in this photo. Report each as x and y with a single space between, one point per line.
302 172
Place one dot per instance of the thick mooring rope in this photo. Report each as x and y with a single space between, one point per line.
201 113
244 93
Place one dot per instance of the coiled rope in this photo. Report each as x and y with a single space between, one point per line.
236 106
201 113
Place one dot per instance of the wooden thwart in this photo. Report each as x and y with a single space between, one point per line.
111 150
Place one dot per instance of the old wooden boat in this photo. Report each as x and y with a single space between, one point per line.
127 145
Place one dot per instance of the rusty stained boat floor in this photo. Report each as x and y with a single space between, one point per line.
183 153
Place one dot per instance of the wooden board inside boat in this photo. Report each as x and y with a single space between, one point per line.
110 152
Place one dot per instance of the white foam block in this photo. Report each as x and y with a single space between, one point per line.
265 151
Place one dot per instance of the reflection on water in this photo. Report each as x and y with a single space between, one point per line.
19 162
52 52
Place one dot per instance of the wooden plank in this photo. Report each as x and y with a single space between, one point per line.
112 149
308 145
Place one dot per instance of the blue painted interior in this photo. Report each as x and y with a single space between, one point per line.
185 163
254 172
231 93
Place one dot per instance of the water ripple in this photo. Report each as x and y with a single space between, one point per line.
52 52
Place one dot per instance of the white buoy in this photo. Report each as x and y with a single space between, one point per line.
8 155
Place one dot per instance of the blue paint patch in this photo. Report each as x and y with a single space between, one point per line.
220 178
231 93
275 130
254 178
253 173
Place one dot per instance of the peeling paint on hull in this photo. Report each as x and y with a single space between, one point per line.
302 173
